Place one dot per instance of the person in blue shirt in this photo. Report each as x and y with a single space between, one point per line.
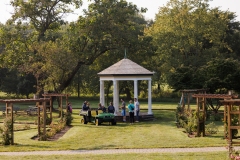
131 112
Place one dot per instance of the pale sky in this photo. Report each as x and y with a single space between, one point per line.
152 5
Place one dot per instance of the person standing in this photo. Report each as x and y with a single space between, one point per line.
131 112
137 108
111 108
123 107
69 108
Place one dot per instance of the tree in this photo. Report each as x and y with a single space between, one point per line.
188 34
54 53
220 75
14 83
43 15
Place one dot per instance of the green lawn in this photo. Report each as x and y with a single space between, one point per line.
160 133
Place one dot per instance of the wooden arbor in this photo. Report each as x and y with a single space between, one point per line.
42 107
51 95
201 109
231 119
186 93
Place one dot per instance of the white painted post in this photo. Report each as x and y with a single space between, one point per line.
102 100
115 98
135 93
149 96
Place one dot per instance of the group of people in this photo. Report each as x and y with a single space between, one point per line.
86 107
131 108
111 109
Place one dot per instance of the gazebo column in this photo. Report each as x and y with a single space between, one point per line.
115 95
102 99
135 92
149 96
116 103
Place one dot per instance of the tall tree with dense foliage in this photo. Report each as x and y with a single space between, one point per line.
53 52
188 34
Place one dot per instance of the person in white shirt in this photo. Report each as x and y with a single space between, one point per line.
137 109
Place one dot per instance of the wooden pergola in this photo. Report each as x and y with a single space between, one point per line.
41 108
187 93
201 112
230 112
51 95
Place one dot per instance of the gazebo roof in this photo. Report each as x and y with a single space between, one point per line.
125 67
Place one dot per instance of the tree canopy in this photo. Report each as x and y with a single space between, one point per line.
189 34
188 45
54 52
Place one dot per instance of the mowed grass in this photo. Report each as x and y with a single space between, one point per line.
160 133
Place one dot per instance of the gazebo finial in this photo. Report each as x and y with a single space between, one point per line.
125 54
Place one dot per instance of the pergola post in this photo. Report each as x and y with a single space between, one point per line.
9 106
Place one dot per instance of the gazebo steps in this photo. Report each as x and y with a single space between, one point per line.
144 116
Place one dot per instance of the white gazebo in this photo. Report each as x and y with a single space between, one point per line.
125 70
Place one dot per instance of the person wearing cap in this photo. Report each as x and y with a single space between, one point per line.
131 112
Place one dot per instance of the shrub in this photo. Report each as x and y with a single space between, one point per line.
217 117
68 118
192 124
6 131
211 128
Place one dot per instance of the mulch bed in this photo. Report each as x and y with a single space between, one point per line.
57 135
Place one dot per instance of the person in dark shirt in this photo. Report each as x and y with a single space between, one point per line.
104 109
101 107
69 107
111 108
85 106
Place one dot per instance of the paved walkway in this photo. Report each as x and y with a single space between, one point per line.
120 151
